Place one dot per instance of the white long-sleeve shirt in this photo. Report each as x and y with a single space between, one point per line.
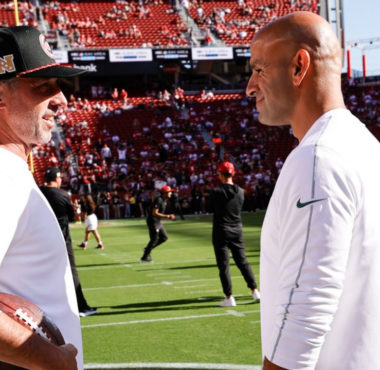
33 256
320 251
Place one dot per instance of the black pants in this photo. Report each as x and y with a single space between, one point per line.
82 303
225 240
157 234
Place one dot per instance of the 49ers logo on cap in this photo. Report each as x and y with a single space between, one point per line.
7 64
46 47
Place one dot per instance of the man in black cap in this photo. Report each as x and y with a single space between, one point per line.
157 232
33 257
60 203
227 202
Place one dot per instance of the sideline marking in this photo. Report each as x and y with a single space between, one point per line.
175 277
176 318
189 286
155 284
166 283
136 263
172 365
236 313
203 291
166 273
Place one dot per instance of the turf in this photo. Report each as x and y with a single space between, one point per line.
166 311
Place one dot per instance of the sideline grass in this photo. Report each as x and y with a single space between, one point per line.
166 311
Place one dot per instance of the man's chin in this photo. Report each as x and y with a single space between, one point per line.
42 139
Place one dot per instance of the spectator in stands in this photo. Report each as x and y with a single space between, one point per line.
104 204
91 221
207 40
116 205
127 204
123 96
175 203
106 152
115 95
320 232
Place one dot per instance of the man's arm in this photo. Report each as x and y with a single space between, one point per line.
155 213
19 346
315 217
69 208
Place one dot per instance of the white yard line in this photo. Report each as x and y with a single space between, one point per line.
177 277
133 263
172 365
155 284
166 273
190 286
204 291
175 318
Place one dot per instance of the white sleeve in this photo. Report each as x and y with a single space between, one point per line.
316 209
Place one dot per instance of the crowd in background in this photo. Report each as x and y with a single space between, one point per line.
131 147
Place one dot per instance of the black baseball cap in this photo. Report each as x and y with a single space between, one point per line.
52 173
24 52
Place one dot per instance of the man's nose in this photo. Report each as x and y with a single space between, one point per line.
251 87
58 101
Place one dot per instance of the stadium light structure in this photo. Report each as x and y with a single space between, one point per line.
363 45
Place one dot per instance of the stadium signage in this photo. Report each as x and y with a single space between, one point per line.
242 52
87 67
171 54
212 53
61 56
113 62
130 55
89 56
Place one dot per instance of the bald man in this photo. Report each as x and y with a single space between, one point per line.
320 242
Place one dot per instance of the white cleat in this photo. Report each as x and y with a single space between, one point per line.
256 296
228 302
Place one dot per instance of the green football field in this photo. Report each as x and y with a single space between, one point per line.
165 313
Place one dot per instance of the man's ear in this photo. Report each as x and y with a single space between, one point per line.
301 64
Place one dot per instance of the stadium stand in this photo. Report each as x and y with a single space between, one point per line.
27 14
235 22
109 24
157 139
105 24
161 140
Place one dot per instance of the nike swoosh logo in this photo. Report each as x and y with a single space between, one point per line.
301 205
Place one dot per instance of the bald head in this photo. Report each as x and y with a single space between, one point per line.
308 31
296 71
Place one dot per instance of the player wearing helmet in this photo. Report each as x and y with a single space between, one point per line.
157 232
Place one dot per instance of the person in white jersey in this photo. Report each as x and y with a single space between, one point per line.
33 257
320 242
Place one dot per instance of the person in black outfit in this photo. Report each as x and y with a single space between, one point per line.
157 232
226 202
60 203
